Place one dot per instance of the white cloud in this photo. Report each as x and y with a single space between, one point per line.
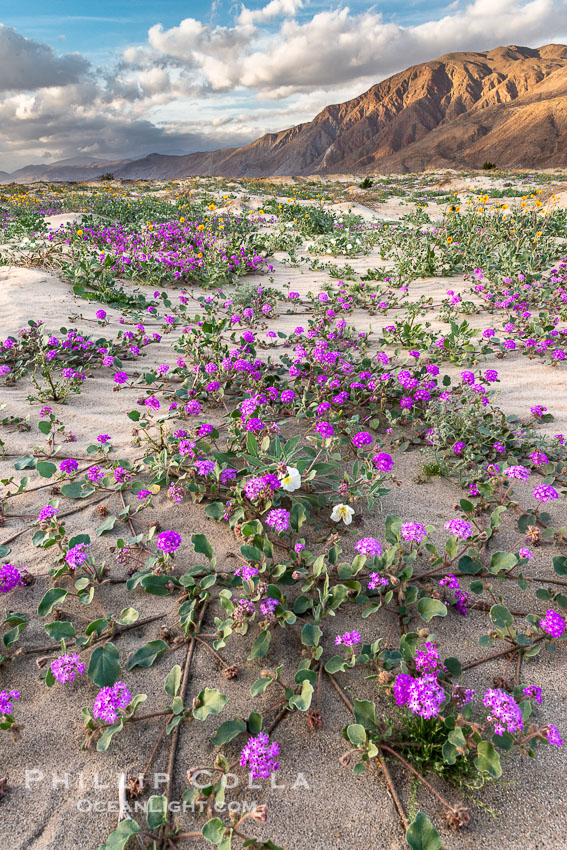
336 46
274 9
177 41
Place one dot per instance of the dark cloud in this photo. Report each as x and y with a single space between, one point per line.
26 65
53 121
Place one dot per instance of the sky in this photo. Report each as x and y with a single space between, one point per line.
137 77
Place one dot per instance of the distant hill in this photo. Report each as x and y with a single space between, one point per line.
507 105
73 169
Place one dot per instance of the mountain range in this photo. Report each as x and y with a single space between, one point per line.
507 105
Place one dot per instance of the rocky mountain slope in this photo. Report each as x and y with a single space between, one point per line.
507 105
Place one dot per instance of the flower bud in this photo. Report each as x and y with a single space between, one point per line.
260 814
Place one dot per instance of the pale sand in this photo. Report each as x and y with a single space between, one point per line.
339 811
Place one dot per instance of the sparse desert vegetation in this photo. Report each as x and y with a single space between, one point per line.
282 507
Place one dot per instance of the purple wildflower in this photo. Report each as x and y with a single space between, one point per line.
205 467
369 546
76 556
267 608
383 462
539 458
6 707
521 473
227 475
377 581
413 531
545 492
260 756
505 712
278 519
68 466
47 512
246 572
10 577
348 638
325 429
168 541
363 438
427 660
66 667
110 700
553 736
552 623
95 474
423 696
532 691
459 527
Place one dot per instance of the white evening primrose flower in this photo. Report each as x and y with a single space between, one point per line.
291 480
344 512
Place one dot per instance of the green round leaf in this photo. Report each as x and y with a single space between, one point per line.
45 469
104 665
50 600
146 655
156 812
173 681
227 731
214 829
211 701
488 760
422 835
60 630
356 734
128 616
429 608
501 617
260 645
121 835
